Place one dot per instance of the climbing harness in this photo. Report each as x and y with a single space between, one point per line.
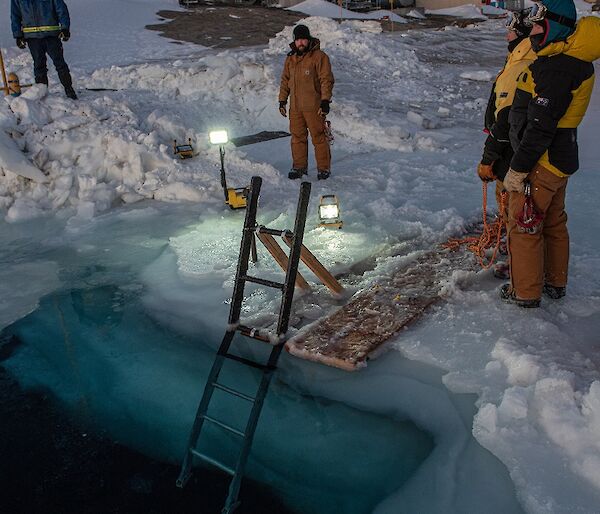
490 237
530 219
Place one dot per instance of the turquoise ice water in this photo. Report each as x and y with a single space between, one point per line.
100 352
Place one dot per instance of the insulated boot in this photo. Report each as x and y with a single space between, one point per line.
297 173
508 296
502 271
554 292
70 92
67 82
323 174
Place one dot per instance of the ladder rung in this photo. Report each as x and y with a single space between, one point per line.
245 361
263 282
212 461
274 232
233 392
254 333
224 426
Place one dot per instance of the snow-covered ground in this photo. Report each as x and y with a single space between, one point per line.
407 116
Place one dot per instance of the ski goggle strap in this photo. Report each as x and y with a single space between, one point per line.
540 12
512 21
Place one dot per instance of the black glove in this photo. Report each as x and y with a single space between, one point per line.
64 35
282 108
324 109
21 42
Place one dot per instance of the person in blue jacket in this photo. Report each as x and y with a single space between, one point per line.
43 25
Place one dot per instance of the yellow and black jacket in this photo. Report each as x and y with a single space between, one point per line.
550 102
497 148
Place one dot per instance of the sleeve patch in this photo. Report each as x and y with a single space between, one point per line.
541 101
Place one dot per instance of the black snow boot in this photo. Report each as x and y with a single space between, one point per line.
66 81
508 295
554 292
297 173
70 92
323 174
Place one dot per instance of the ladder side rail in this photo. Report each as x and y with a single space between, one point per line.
294 259
280 257
186 467
245 249
234 487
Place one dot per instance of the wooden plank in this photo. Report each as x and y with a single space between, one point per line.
349 336
281 258
3 71
317 268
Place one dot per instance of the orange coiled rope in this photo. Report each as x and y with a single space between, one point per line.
490 236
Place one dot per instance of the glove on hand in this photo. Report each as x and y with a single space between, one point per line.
324 109
283 109
64 35
21 42
513 182
485 172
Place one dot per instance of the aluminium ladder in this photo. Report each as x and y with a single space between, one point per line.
287 293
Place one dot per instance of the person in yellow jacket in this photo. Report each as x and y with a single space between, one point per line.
308 81
497 151
551 99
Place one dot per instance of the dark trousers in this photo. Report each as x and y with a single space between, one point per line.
52 46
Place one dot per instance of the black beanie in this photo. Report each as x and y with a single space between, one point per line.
301 32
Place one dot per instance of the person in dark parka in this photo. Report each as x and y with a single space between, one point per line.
43 25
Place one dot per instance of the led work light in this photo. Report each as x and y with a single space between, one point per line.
218 137
235 197
329 212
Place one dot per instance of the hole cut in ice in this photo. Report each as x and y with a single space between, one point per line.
100 352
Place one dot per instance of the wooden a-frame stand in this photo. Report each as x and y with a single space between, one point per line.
265 236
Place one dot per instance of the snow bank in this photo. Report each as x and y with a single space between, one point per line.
322 8
463 11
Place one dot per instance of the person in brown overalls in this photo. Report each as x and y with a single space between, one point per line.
308 80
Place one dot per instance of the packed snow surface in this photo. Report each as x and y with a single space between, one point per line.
407 118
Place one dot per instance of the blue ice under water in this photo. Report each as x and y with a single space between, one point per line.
103 355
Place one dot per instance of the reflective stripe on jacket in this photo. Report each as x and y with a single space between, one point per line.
38 18
551 99
306 79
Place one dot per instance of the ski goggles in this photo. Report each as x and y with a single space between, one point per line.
514 19
540 12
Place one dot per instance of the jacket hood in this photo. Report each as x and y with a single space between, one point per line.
583 44
555 31
313 44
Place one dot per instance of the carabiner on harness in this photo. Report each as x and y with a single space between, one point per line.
530 220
